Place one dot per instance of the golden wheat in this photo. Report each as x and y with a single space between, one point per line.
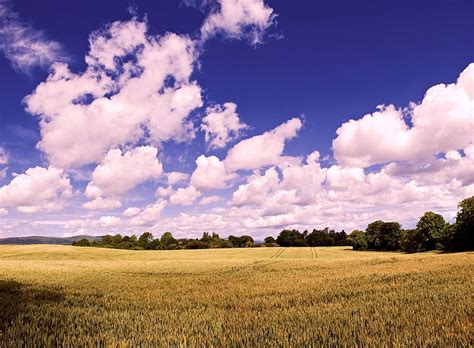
70 296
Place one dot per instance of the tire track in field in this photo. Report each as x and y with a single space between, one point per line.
277 254
314 253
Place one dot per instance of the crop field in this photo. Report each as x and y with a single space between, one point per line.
72 296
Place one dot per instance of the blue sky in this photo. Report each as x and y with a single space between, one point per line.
321 63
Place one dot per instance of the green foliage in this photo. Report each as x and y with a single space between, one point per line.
241 242
82 242
410 241
325 237
383 236
197 244
288 238
429 230
144 240
463 238
167 239
357 240
270 240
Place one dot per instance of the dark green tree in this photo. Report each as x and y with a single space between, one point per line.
145 239
320 238
270 240
430 227
107 240
357 240
82 242
206 238
463 237
167 240
411 241
288 238
383 235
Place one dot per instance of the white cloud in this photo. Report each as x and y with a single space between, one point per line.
264 149
109 221
100 203
83 116
176 177
150 214
221 125
120 172
4 158
257 188
185 196
210 174
442 122
210 199
38 189
238 19
343 177
164 192
131 211
24 46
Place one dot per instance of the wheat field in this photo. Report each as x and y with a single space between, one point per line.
71 296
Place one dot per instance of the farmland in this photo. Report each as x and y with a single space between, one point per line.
63 295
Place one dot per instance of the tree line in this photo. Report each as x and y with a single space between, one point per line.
167 242
432 232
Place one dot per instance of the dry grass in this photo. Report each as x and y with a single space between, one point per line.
66 296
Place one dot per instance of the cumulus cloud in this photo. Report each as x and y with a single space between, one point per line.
210 174
131 211
100 203
210 200
150 214
164 191
221 125
38 189
109 221
238 19
185 196
442 122
120 172
135 87
262 150
176 177
24 46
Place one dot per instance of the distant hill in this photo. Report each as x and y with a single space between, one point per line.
45 240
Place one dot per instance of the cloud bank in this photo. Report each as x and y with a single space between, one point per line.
138 95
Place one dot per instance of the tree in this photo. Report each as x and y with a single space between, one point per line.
288 238
82 242
145 239
206 238
340 238
106 239
411 241
357 240
117 239
320 238
429 228
241 242
197 244
383 235
269 240
167 239
463 238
